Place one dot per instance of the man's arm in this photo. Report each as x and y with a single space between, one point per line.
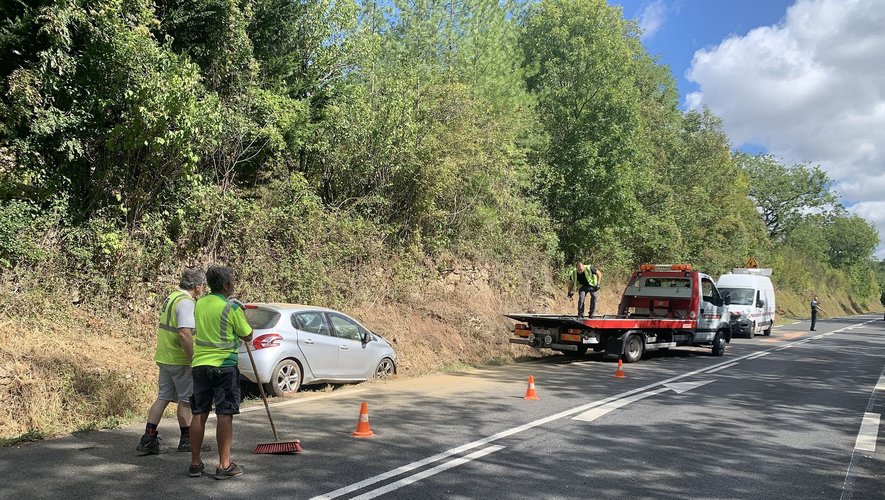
186 339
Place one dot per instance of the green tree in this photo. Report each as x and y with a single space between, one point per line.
581 62
785 194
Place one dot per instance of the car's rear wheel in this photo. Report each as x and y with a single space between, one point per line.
386 368
286 378
752 330
633 348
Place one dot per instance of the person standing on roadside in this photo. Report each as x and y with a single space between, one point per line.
586 280
221 324
175 348
815 307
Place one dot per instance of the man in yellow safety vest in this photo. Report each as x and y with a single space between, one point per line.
175 347
586 280
221 324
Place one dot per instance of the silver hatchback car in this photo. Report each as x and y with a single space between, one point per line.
297 344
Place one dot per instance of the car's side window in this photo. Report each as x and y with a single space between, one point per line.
312 322
345 328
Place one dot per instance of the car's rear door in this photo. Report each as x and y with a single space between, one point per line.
319 346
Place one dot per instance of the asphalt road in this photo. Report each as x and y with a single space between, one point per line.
794 415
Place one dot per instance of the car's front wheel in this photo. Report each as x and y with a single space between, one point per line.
286 378
385 368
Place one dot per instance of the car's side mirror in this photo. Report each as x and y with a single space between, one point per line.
366 337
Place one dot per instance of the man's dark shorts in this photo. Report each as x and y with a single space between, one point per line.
218 386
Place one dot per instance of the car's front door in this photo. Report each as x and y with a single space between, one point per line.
319 346
353 358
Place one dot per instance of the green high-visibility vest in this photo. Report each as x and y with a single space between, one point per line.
592 278
169 350
220 324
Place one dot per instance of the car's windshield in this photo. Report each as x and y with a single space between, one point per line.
738 296
260 319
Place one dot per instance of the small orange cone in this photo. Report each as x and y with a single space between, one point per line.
620 371
530 392
362 426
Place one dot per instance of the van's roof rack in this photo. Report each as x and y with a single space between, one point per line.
754 271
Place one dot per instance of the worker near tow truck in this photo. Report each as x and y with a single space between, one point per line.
815 307
586 280
175 348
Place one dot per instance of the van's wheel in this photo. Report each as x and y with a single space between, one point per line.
633 348
719 344
752 330
767 331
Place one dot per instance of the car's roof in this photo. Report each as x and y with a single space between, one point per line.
289 307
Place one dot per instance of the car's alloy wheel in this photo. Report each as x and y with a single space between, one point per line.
385 368
286 378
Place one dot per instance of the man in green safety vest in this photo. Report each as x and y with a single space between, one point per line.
586 280
175 348
221 323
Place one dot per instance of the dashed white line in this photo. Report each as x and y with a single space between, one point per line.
722 367
869 432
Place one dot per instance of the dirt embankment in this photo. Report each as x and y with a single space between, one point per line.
64 367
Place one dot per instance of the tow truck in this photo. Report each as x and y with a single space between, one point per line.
663 306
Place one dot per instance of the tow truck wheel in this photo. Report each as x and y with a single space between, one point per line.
719 344
767 331
633 348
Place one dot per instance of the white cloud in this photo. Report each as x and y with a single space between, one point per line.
652 17
810 88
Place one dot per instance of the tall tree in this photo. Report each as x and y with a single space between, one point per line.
785 194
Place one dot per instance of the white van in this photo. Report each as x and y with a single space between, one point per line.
749 295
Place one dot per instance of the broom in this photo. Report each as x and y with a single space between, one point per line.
277 447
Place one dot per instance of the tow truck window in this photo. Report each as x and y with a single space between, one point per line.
710 293
668 282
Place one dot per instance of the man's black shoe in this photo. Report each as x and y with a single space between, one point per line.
184 444
196 470
149 444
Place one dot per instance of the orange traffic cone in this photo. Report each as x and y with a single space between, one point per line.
620 371
362 426
530 391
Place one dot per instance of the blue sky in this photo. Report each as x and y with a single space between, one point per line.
687 26
803 80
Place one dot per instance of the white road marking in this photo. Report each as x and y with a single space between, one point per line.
427 473
721 368
759 355
510 432
591 415
682 387
868 433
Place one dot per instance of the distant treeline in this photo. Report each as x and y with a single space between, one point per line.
301 137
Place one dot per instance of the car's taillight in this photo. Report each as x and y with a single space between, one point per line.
267 340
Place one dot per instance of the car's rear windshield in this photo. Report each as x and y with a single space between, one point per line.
260 318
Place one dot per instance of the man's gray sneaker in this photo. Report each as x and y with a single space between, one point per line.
230 471
184 444
149 444
196 470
